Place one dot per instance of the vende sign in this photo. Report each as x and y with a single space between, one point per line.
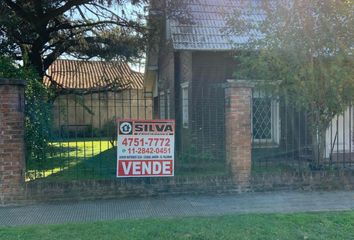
145 168
145 148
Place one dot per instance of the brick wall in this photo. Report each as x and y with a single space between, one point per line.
212 67
330 180
38 191
11 139
238 130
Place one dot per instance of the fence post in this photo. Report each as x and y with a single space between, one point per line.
238 99
12 147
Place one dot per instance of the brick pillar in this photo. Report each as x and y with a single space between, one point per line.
12 148
238 94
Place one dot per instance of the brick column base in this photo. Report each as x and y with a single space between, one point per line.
238 94
12 148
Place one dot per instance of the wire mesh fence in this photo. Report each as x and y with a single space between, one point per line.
83 145
201 141
283 137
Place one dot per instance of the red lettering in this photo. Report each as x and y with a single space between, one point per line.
139 168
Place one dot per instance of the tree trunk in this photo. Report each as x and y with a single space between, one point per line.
318 147
32 59
318 125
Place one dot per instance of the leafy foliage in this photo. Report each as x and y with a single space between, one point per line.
39 32
37 109
37 121
306 47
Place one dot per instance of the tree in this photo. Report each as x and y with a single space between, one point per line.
308 46
38 32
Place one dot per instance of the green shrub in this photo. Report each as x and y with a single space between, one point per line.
37 120
37 108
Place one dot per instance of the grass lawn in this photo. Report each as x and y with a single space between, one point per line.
96 159
70 160
332 225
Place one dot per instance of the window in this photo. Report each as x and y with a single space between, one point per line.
165 104
265 120
156 109
162 105
185 115
168 104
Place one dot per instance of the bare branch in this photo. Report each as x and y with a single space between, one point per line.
67 6
68 26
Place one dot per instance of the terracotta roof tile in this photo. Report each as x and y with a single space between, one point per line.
89 75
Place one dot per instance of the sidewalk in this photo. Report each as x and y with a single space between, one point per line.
85 211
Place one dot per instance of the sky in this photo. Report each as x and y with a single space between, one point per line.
131 13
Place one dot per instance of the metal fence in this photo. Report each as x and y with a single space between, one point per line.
283 139
83 134
201 143
82 142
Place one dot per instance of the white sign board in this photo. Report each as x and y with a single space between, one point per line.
145 148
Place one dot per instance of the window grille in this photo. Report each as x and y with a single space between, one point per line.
262 119
265 119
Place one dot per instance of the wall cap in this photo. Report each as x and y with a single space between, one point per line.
233 83
11 81
241 83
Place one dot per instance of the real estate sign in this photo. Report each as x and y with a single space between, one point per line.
145 148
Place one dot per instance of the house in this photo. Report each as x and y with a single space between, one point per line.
93 93
187 69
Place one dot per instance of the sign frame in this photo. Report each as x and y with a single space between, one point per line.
145 146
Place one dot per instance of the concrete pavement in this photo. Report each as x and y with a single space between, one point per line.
176 206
